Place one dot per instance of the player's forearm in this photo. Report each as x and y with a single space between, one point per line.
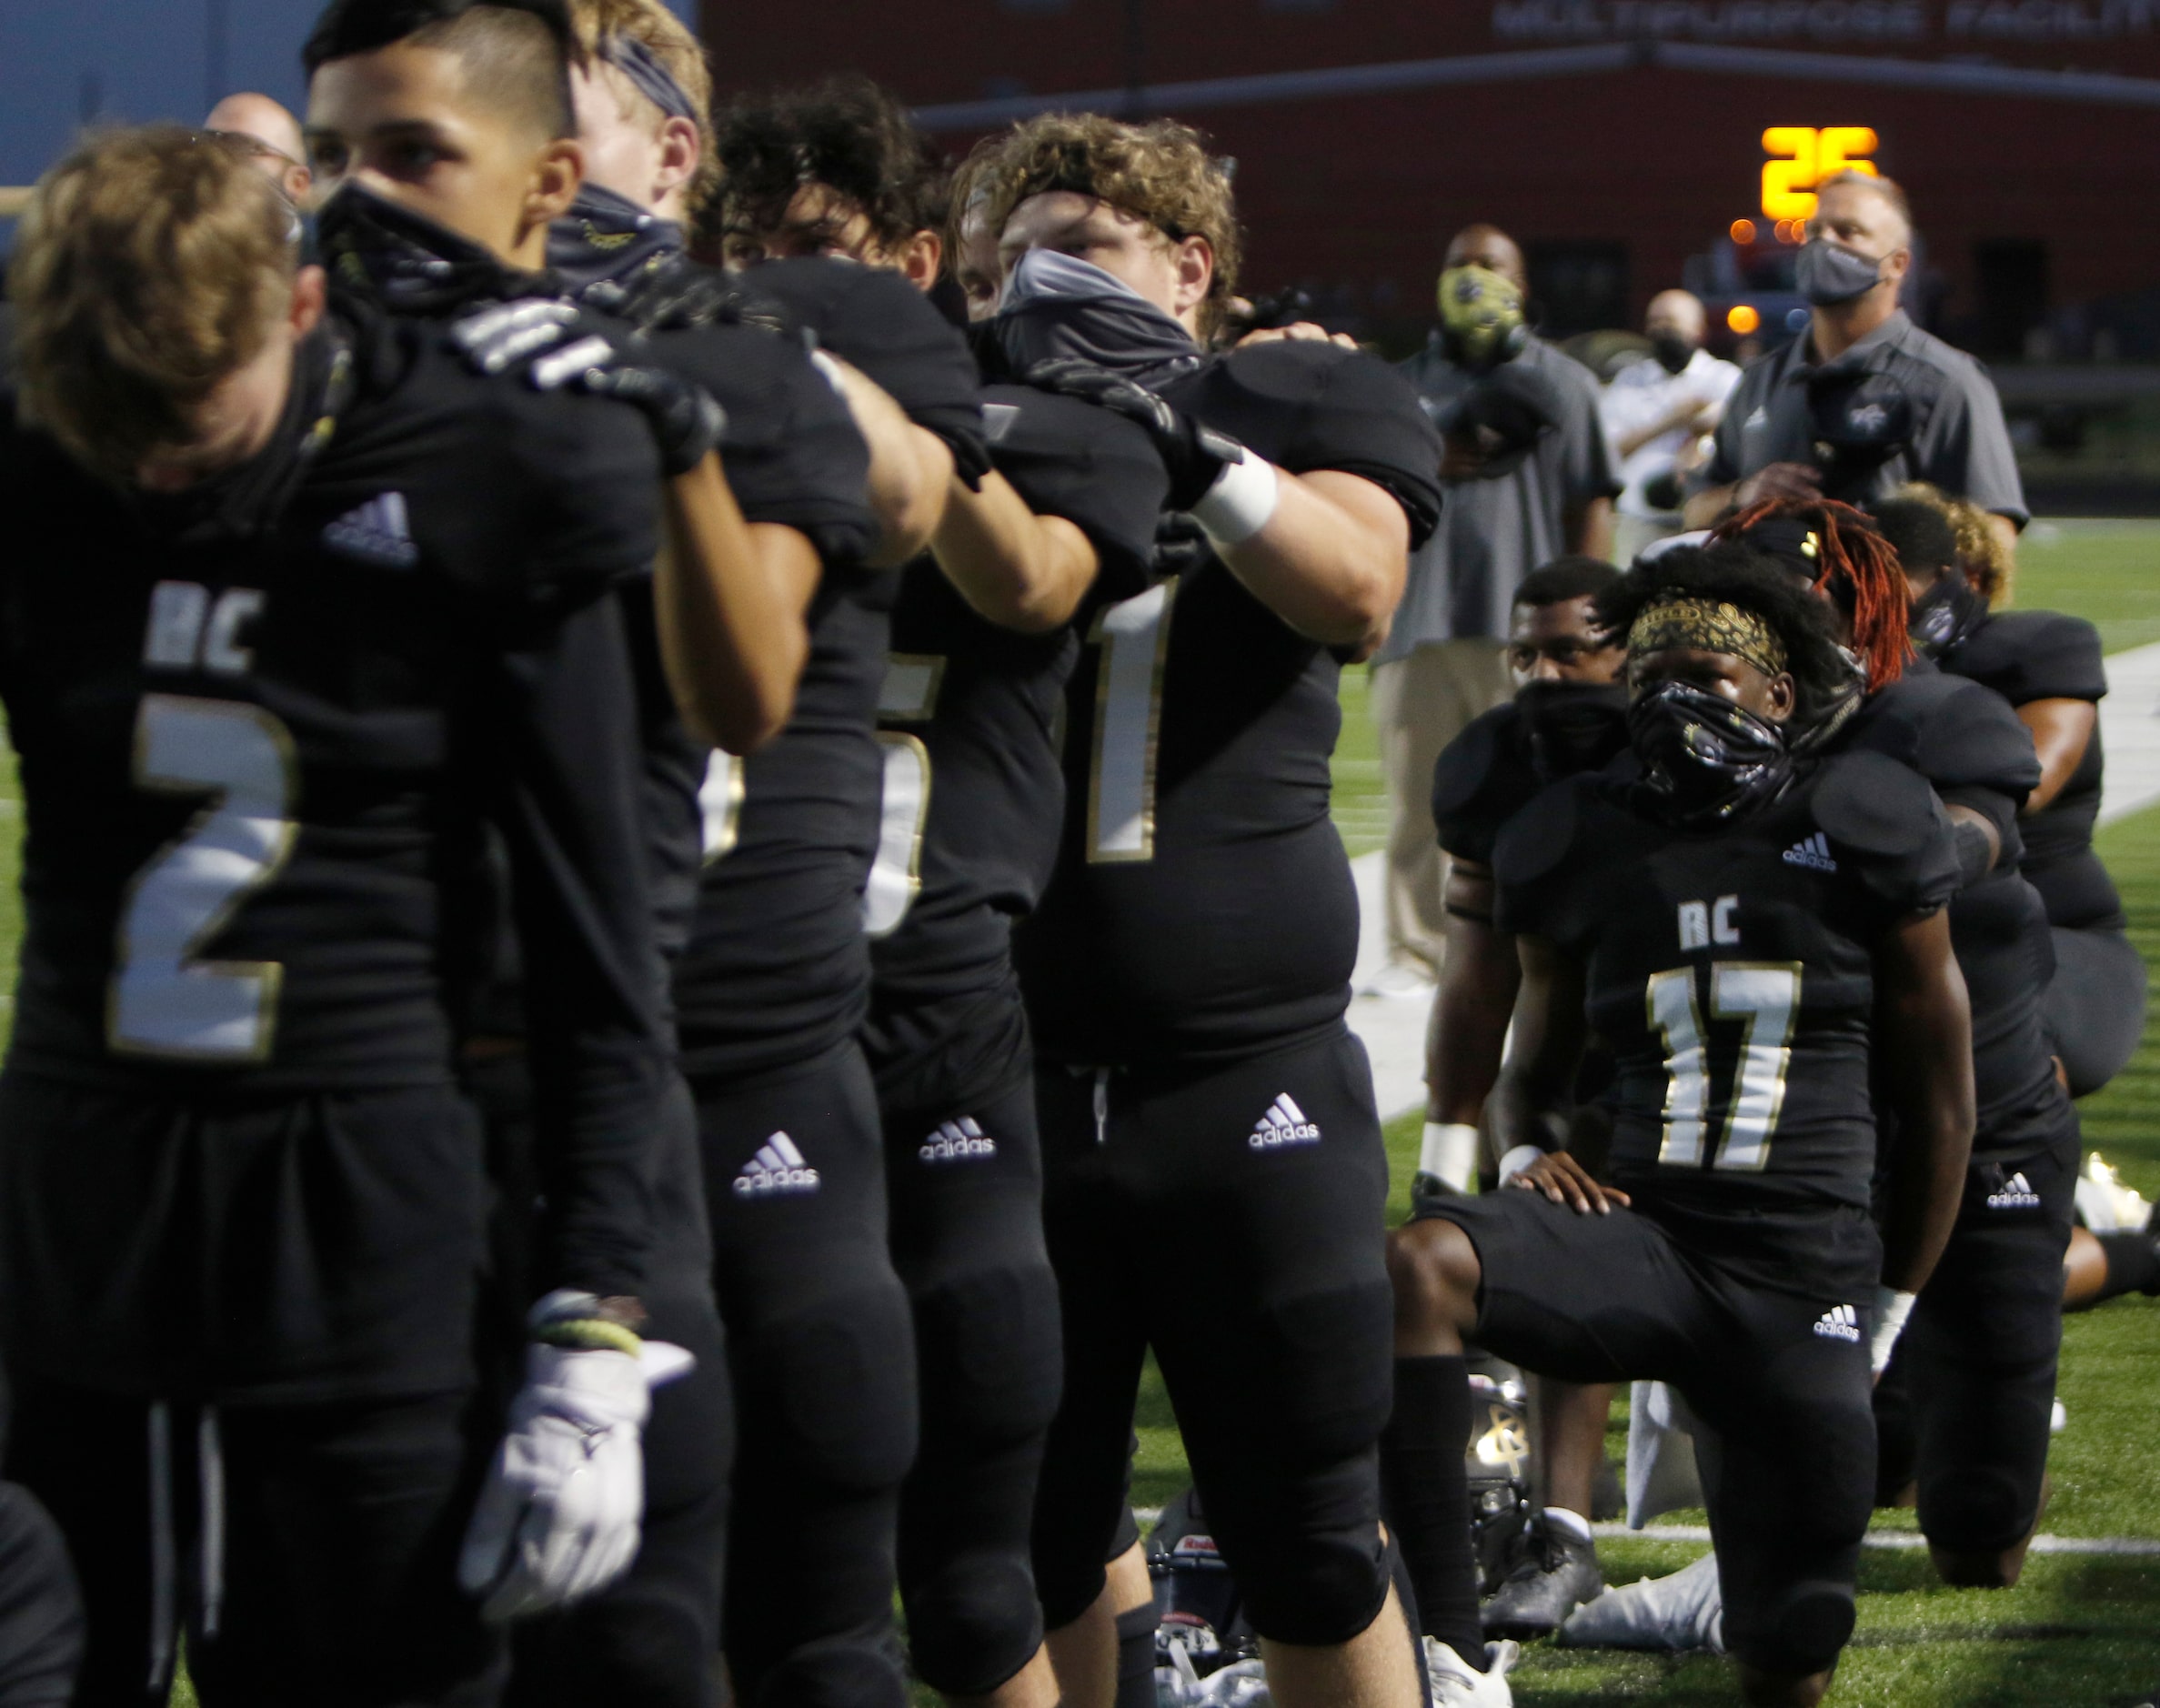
2061 729
1330 561
729 603
1533 1096
1478 982
1924 1030
1702 509
910 469
1021 570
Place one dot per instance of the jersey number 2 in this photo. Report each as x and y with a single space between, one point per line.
1766 996
163 1000
1134 635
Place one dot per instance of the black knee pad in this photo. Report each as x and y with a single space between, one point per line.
838 1375
974 1624
987 1341
1314 1590
1980 1510
1800 1633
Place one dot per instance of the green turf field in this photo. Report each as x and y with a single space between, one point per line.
2079 1631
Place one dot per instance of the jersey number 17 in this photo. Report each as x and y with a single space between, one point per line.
1766 996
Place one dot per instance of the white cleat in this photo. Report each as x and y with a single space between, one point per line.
1401 982
2059 1419
1457 1684
2106 1205
1678 1613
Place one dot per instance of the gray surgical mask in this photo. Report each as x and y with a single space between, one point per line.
1827 272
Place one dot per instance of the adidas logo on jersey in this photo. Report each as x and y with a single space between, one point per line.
959 1141
378 532
1812 852
1840 1323
777 1169
1283 1124
2014 1194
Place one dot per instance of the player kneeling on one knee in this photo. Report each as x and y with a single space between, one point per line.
1740 925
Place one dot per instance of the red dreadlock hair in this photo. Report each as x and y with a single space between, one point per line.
1856 570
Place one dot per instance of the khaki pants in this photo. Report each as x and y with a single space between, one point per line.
1420 704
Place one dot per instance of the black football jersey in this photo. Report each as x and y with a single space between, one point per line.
2045 655
1730 973
873 320
261 723
974 796
1202 905
1967 742
1494 769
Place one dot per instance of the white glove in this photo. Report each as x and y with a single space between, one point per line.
558 1518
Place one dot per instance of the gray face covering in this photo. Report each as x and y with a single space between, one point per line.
1827 273
1058 307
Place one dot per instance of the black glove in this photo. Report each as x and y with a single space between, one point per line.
1504 414
557 347
1193 452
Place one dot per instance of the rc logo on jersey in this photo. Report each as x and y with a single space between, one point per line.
1703 923
959 1141
378 532
778 1170
1812 852
1840 1323
1283 1124
2014 1194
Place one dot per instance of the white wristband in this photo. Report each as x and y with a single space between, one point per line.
1516 1161
1448 1153
1240 503
1892 1309
830 369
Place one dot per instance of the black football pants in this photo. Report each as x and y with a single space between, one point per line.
966 1188
1229 1217
2094 1007
1779 1382
822 1349
310 1552
1964 1406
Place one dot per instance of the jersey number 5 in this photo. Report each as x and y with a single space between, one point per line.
163 1000
1766 996
1134 635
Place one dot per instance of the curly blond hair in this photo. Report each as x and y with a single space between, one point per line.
1984 560
660 31
1159 172
148 268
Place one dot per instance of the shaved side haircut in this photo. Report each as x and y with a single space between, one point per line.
517 54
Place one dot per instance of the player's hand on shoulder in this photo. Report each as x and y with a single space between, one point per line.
1297 332
555 347
1194 453
1563 1181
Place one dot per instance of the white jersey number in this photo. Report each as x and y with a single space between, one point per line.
907 696
163 1000
1766 996
1134 635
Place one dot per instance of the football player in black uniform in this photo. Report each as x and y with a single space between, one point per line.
2047 666
1569 715
1746 932
331 604
982 643
796 469
1187 971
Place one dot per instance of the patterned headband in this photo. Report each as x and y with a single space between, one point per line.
654 81
1707 626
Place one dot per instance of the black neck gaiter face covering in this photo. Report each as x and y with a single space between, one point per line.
1944 618
607 244
1705 761
1056 307
1573 727
403 260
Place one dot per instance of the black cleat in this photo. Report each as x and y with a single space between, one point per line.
1556 1574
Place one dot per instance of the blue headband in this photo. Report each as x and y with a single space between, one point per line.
655 82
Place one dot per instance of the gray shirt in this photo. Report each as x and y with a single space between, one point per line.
1494 532
1958 440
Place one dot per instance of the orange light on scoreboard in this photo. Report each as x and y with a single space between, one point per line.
1801 156
1742 318
1744 231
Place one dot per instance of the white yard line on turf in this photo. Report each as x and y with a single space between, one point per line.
1394 1028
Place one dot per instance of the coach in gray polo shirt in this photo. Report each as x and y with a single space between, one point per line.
1864 400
